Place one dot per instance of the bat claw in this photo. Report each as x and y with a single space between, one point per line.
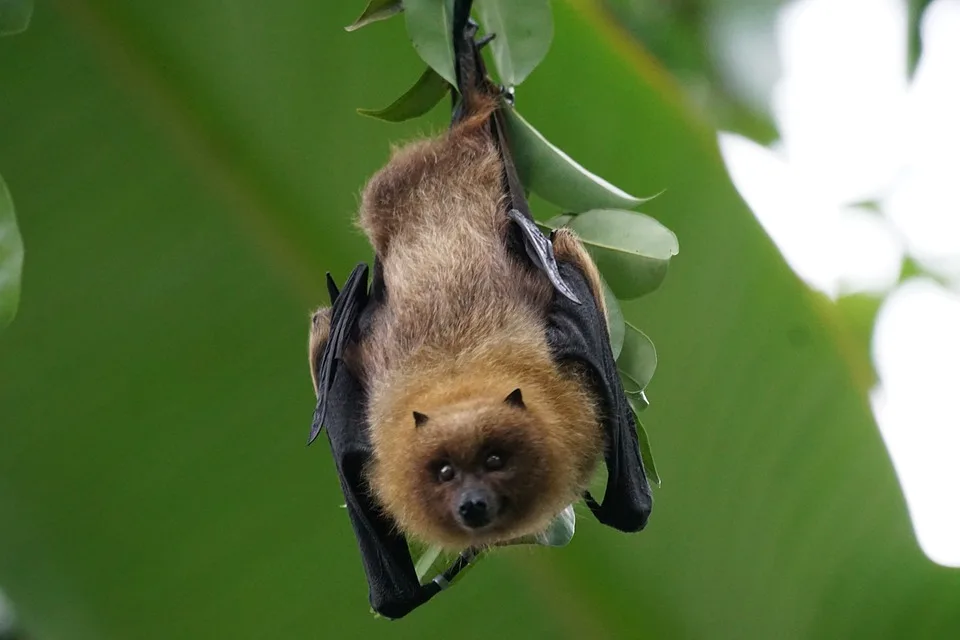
485 40
471 28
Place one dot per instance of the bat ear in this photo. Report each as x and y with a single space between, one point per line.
420 419
515 399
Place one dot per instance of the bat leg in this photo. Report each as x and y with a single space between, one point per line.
568 248
319 333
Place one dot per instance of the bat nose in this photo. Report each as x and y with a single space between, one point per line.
475 511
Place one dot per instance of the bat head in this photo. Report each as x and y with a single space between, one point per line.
480 471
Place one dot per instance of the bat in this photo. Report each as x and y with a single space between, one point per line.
467 386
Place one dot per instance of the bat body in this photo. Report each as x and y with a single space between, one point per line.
470 393
463 325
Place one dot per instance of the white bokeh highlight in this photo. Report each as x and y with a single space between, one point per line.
856 129
917 353
925 202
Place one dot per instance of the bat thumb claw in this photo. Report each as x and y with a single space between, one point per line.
485 40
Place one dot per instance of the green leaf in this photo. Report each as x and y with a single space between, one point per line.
638 359
560 531
641 401
524 31
376 10
15 16
646 453
427 560
555 176
433 560
430 27
615 324
559 221
632 250
429 89
11 258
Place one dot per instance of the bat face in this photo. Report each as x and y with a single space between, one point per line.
475 474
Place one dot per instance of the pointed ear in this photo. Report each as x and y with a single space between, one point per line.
420 419
515 399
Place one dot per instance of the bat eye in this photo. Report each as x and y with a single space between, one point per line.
494 462
446 473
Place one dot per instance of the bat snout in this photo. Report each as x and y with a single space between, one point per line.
477 508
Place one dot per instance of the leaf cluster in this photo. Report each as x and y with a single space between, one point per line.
14 18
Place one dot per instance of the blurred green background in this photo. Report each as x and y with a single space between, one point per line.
185 173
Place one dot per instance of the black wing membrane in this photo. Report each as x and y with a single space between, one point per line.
347 307
395 590
578 332
391 575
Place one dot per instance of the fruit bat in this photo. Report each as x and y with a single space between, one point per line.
576 332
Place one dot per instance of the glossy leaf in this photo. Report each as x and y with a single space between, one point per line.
523 34
615 324
430 27
555 176
429 89
11 258
638 359
646 452
631 250
15 16
638 395
376 10
558 221
427 563
560 531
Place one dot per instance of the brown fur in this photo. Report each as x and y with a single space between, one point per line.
319 333
463 325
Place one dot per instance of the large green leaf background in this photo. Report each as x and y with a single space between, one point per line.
185 173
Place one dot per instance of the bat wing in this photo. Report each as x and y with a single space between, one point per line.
341 402
391 575
578 332
347 307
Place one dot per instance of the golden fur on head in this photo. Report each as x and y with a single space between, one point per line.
549 446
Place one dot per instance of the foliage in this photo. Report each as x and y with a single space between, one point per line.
375 11
11 258
14 17
429 89
523 34
185 174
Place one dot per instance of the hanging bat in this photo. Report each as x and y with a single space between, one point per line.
469 393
